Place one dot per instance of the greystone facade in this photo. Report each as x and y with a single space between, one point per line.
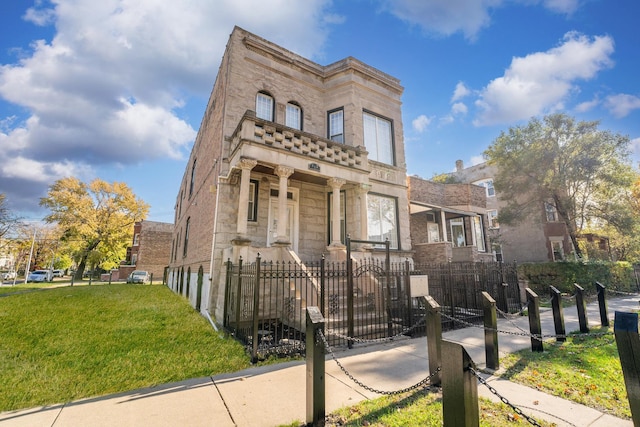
283 141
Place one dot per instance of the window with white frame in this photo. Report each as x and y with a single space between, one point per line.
551 212
382 219
378 138
136 239
293 116
457 232
336 125
557 249
492 218
479 233
488 185
252 214
264 106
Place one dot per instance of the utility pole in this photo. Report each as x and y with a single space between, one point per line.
33 241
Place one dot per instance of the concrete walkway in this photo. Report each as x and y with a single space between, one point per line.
274 395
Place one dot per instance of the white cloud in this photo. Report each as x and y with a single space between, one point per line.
621 105
459 108
421 123
541 82
476 160
587 105
110 86
469 17
460 92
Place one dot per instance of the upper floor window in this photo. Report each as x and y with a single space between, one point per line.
492 217
264 106
336 125
293 117
377 138
253 201
193 178
551 212
136 239
186 237
488 185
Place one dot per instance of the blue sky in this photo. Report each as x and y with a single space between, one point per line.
116 89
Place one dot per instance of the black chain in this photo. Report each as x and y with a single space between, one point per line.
504 400
421 384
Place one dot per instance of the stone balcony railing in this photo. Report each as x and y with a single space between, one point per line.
277 136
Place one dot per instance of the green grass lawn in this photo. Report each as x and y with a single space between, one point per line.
67 343
584 369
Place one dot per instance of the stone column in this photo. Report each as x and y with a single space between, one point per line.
335 184
283 172
243 200
364 214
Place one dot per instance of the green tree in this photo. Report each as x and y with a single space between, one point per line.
570 165
95 217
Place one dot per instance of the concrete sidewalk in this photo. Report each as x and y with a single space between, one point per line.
274 395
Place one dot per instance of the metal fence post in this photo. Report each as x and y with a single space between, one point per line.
581 306
434 338
322 290
602 303
504 287
315 368
490 331
256 311
558 314
238 295
350 302
628 341
459 387
407 273
534 320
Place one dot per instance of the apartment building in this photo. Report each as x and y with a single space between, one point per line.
543 238
290 158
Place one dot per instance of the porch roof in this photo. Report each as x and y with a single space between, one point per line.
417 207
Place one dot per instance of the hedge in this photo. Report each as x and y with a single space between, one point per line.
618 276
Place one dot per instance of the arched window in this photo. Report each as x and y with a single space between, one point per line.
193 178
186 237
264 106
293 117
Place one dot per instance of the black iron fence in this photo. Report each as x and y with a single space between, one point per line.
265 302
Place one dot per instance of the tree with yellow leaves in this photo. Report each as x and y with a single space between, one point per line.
97 217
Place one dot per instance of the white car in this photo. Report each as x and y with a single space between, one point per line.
40 276
8 275
58 273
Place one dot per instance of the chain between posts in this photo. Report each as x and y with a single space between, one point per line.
524 334
503 399
421 384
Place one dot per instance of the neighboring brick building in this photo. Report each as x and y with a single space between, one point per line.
282 143
541 239
448 222
150 249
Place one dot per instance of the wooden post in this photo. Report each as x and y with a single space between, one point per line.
581 305
434 338
628 341
534 320
315 368
602 303
490 331
459 387
558 314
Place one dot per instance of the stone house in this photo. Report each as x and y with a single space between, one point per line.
448 222
541 239
149 250
290 158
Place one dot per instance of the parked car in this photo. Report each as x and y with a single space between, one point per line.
40 276
58 273
8 275
139 276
